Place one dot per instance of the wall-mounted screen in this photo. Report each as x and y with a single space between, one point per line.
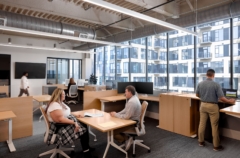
35 70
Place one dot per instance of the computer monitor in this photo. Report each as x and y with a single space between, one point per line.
144 87
230 93
66 82
81 82
111 84
121 86
141 87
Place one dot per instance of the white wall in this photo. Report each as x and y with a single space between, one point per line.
33 56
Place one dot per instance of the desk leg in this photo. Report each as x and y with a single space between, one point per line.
102 105
9 141
111 142
40 104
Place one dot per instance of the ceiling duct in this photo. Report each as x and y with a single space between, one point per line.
37 24
220 12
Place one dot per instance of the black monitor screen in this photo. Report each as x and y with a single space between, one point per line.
121 86
144 87
35 70
111 84
141 87
231 93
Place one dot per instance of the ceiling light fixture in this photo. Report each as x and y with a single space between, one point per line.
52 35
44 48
137 15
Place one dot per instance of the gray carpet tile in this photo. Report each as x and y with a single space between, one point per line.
163 144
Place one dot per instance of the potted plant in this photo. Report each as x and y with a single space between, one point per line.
93 79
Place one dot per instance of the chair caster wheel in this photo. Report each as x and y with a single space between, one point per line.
133 155
95 140
149 151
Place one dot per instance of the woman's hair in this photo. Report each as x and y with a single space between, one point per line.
71 81
56 97
24 73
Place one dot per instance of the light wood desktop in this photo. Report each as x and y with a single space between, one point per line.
40 99
8 115
232 110
106 123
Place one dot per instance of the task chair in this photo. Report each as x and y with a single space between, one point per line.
56 150
139 131
72 94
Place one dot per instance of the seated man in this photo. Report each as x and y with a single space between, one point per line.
131 111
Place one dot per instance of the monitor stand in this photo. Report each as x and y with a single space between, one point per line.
144 95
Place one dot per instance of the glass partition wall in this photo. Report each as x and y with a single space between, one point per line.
146 59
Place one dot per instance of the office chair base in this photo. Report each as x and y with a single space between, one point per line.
57 151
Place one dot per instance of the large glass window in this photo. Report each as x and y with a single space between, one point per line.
109 63
214 54
99 64
236 53
58 70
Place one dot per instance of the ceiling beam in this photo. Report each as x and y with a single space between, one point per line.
190 5
139 15
57 36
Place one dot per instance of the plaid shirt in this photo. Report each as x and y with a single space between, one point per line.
65 134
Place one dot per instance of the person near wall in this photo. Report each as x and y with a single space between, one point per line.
131 111
24 85
58 112
209 92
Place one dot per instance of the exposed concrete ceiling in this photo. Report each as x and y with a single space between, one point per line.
80 13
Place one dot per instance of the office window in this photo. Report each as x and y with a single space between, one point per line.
216 54
187 54
74 69
141 79
222 50
99 64
134 53
173 55
236 53
163 56
143 53
204 52
109 63
138 61
58 70
122 55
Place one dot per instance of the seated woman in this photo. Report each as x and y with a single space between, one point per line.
71 82
58 112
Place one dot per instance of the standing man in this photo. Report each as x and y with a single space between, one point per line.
209 92
24 85
131 111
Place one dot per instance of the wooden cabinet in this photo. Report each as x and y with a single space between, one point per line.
179 114
166 112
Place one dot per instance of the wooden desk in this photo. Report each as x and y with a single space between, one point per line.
105 124
122 97
8 115
40 99
232 110
81 89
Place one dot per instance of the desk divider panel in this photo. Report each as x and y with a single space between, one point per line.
22 125
91 100
4 89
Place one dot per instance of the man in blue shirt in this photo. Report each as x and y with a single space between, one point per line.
209 92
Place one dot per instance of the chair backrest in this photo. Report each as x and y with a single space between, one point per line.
73 90
46 123
141 130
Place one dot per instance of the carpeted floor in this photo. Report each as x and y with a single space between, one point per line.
163 144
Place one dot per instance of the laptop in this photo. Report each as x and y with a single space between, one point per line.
231 93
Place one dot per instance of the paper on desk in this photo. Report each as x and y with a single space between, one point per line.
87 114
107 124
